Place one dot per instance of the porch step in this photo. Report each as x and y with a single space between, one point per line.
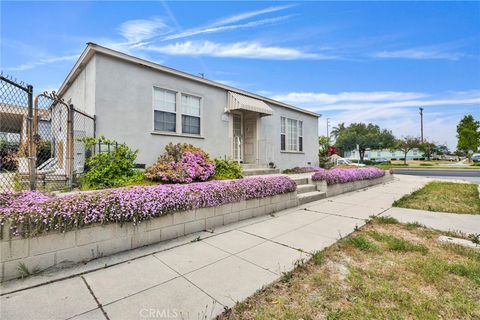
259 171
301 181
310 196
304 188
246 166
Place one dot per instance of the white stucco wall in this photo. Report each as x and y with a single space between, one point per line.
123 99
82 91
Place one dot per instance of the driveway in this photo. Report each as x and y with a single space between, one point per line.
198 276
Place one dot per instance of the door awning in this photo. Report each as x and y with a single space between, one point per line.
238 101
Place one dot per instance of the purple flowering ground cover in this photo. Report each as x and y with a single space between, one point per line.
31 213
302 169
344 175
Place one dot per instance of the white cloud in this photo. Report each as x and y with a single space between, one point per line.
396 111
418 54
443 51
377 100
251 14
248 50
135 31
326 98
213 29
226 24
41 62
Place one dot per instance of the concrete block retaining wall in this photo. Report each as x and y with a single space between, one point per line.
339 188
81 245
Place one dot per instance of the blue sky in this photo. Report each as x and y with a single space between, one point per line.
350 61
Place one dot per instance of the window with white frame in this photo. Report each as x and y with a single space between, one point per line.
165 110
190 114
291 134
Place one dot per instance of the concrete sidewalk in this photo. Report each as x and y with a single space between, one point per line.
466 223
197 280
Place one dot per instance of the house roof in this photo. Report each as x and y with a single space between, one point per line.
93 48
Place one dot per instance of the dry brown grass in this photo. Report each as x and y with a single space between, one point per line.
389 272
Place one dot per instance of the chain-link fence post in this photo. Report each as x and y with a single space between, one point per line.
70 137
31 143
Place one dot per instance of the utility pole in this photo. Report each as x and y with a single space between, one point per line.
421 124
328 125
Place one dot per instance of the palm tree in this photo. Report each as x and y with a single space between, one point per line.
336 131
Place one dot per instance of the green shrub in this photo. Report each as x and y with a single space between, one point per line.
227 169
44 151
109 169
8 155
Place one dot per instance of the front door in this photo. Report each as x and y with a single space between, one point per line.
250 138
237 142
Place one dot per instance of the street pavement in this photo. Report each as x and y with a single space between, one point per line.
470 175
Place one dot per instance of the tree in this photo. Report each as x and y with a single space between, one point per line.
442 149
338 129
468 135
365 137
406 144
428 149
324 144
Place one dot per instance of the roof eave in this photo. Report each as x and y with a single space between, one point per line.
93 48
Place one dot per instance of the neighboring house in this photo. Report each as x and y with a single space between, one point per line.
388 154
147 105
13 123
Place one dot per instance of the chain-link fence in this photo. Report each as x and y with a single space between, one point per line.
39 147
16 112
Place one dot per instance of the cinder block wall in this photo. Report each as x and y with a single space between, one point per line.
57 249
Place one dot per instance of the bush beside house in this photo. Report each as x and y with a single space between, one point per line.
227 169
181 163
109 169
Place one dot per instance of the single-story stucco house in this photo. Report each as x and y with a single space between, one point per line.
147 105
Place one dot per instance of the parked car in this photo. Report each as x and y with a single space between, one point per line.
383 160
476 157
345 162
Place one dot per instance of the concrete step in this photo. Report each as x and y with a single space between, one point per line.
253 166
300 181
310 196
304 188
258 172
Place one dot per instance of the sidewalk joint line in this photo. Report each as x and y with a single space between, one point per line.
279 243
95 298
141 291
193 284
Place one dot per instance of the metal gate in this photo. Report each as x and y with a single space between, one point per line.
39 139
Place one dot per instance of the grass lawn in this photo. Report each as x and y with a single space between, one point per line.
443 197
383 271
